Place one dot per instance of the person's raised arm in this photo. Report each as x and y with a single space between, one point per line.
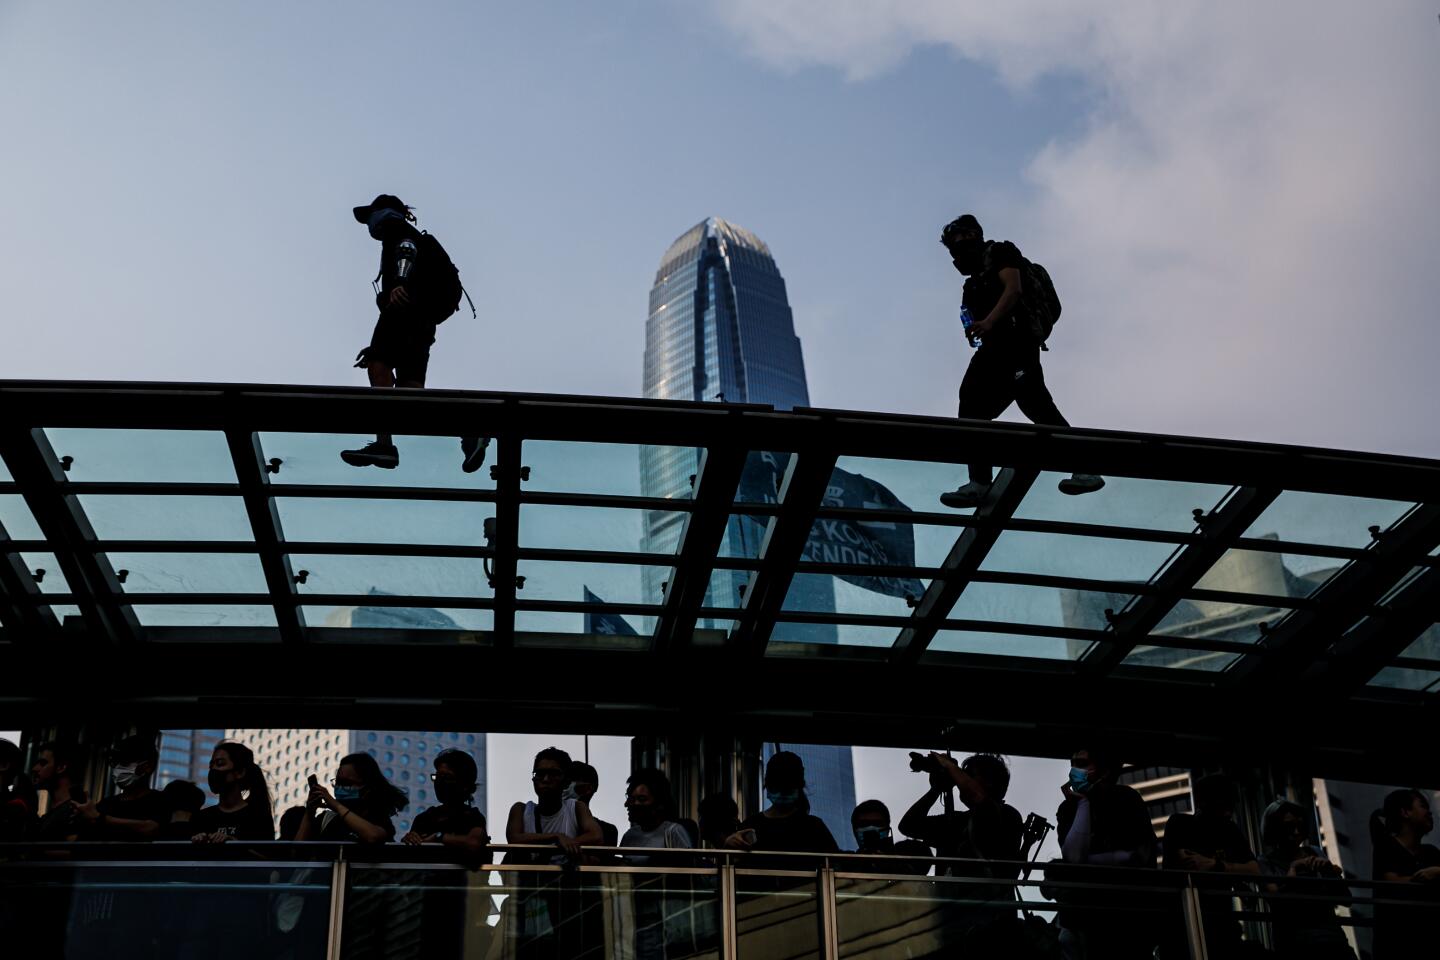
363 829
916 822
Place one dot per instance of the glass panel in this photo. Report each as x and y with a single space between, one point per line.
401 618
203 615
595 582
613 626
1271 574
1426 646
872 596
1123 502
424 461
744 535
1210 620
16 518
1040 606
581 528
567 466
391 576
778 916
1180 659
883 543
912 483
1062 555
513 913
5 475
1008 645
45 571
1406 678
165 517
190 572
1324 518
347 520
163 910
760 480
175 456
63 610
798 639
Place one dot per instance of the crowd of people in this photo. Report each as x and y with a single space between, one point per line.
1101 823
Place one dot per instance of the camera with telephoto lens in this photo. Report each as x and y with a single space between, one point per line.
920 763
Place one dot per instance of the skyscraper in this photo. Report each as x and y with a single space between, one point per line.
720 329
185 755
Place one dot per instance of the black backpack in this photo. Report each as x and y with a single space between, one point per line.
1040 301
439 278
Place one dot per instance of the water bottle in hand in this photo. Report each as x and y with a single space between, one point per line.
967 322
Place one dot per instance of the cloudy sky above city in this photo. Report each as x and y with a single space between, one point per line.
1237 201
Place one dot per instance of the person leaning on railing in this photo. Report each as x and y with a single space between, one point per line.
1302 931
242 798
787 823
1209 841
453 822
1396 832
360 809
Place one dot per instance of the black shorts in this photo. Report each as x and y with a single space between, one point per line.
402 341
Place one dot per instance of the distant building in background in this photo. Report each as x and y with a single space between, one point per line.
406 757
185 755
720 329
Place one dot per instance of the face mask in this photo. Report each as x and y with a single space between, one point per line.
449 793
219 780
125 776
377 220
782 798
968 256
569 792
872 837
1080 780
347 792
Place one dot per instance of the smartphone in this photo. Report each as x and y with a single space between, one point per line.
312 781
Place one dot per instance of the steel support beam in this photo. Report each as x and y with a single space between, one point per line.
248 460
806 477
1377 641
963 560
716 482
26 620
1218 530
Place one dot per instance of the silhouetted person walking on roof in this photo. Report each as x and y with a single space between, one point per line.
416 289
1010 325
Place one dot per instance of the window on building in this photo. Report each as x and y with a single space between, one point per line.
389 740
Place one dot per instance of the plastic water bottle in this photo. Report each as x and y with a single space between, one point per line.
967 322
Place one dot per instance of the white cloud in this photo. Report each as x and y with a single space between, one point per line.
1243 233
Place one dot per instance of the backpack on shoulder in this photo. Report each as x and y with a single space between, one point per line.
440 279
1040 301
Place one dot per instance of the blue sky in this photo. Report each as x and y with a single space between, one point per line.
1242 228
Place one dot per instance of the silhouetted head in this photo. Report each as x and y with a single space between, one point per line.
719 817
359 778
183 796
384 207
1216 796
964 238
1090 767
1404 811
53 765
785 782
233 764
550 773
133 760
1283 827
584 780
991 771
870 822
290 822
647 798
456 777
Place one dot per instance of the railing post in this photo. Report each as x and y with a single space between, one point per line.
1194 924
729 925
338 871
829 920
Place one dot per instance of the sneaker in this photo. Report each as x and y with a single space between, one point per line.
1079 483
373 454
474 449
970 495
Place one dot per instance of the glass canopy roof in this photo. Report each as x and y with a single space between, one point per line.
199 514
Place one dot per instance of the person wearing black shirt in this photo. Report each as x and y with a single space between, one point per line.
136 812
1208 840
584 784
52 773
242 807
183 800
399 350
1006 367
1396 832
786 824
1301 930
360 809
454 822
18 799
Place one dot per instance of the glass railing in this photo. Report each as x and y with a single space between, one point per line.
322 901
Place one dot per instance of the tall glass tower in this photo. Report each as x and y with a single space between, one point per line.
720 329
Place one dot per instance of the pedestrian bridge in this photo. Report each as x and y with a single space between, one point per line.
198 555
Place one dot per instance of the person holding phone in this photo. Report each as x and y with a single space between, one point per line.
360 808
453 822
787 823
242 799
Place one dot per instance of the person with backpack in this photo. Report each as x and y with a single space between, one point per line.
1014 306
416 289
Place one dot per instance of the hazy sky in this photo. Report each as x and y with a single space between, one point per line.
1237 201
